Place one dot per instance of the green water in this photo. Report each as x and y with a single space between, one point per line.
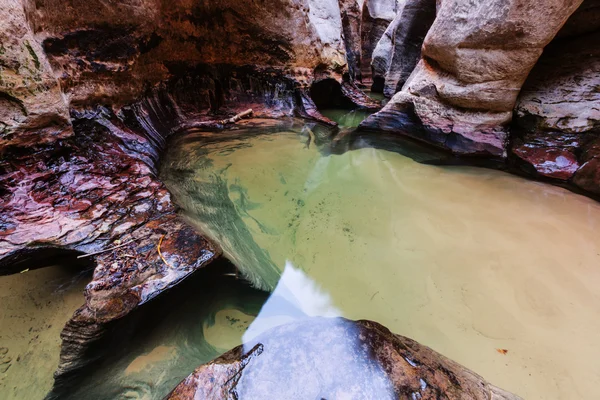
35 305
346 118
464 260
154 351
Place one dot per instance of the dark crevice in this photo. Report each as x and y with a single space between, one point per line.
327 93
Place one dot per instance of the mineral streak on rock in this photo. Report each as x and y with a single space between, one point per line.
91 90
334 358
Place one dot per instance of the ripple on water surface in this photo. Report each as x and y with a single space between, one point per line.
468 261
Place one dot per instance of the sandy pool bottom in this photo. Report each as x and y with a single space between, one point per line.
470 262
35 306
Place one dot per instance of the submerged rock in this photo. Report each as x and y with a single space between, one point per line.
334 358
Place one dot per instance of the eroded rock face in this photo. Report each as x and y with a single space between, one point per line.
105 51
475 58
561 93
32 107
331 358
406 34
376 17
557 116
89 193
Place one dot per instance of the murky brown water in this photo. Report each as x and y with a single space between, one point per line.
467 261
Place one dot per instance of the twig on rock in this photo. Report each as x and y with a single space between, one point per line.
109 249
215 124
160 253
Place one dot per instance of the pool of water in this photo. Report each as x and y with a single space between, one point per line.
35 307
160 344
496 272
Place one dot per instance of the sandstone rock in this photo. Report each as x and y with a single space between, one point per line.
88 193
331 359
475 58
376 17
558 113
586 19
382 56
561 93
32 108
350 11
551 155
106 51
413 20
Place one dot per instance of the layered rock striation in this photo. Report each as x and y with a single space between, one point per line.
90 92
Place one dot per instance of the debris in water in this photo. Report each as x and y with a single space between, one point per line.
502 351
25 270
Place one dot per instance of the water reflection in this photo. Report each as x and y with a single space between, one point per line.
308 357
346 118
296 297
316 358
462 259
161 343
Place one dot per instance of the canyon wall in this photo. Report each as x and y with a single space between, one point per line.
474 60
90 91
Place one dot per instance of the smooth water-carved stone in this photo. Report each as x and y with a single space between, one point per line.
475 58
376 17
334 358
408 31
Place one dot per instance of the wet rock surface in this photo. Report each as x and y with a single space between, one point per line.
96 192
334 358
557 121
77 177
90 92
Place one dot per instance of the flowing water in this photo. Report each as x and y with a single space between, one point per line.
496 272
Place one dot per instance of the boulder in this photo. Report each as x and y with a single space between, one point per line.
334 358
